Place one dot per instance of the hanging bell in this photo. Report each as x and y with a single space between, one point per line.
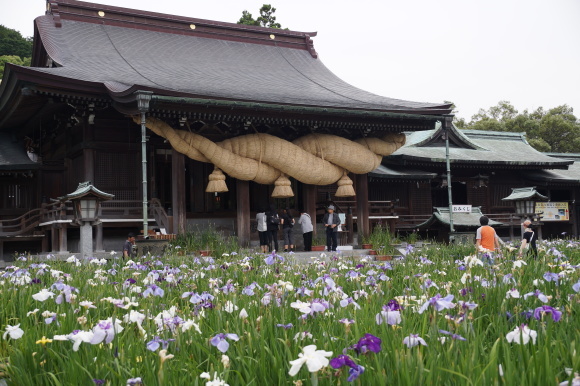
217 182
345 188
282 187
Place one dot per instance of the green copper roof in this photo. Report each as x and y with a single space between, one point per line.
469 220
86 189
473 147
528 193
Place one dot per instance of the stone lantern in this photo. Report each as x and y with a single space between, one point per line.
86 202
525 200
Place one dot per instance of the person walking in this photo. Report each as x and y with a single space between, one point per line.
331 221
487 240
306 222
529 241
287 226
261 218
273 220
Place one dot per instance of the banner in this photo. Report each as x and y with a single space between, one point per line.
553 211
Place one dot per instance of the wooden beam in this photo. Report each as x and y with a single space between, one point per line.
362 206
243 212
178 191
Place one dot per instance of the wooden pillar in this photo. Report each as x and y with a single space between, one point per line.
99 238
44 244
243 212
63 239
309 195
54 239
362 206
178 191
89 165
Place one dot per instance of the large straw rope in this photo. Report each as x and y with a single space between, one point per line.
263 157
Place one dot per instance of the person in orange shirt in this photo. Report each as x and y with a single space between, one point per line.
487 241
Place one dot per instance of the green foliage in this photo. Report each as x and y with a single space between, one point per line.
14 60
382 240
266 18
556 130
206 239
13 43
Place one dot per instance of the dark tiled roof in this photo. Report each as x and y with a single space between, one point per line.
400 173
126 50
13 156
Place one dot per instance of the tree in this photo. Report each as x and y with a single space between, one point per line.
13 48
266 18
556 130
14 60
12 43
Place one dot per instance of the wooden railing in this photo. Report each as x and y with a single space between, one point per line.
57 211
26 222
376 208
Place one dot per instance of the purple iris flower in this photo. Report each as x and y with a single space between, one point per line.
342 360
156 342
285 326
467 305
221 343
576 287
98 381
271 258
540 311
367 343
551 276
438 302
537 293
153 290
465 291
354 373
393 305
453 336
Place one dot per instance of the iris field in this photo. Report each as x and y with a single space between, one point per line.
438 316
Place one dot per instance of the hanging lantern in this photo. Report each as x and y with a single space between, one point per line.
345 188
283 188
217 182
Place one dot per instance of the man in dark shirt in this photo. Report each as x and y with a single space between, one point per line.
331 221
128 246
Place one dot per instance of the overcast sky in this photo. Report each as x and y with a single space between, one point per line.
471 52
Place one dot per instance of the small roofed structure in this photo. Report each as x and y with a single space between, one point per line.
465 220
525 194
86 199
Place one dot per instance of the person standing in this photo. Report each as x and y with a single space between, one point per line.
529 240
261 218
287 226
128 250
331 221
273 221
487 240
306 222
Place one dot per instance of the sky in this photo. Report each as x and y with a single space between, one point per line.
474 53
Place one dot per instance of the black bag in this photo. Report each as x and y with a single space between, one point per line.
275 219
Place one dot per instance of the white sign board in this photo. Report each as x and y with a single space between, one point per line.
461 208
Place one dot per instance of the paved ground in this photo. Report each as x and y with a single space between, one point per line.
298 257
